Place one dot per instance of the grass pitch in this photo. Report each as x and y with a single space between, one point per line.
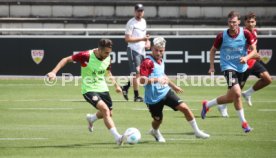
43 121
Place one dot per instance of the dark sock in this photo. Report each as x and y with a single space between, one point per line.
126 87
136 93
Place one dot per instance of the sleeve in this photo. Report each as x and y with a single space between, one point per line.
82 58
146 67
218 41
249 37
129 29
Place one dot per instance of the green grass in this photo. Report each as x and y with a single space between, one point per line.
25 112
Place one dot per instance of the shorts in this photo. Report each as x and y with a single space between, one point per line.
94 97
134 59
256 70
171 100
233 77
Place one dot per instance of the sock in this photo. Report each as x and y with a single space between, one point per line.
126 87
194 125
212 103
93 118
115 133
136 93
241 115
249 91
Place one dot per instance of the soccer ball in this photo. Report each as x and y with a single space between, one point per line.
133 135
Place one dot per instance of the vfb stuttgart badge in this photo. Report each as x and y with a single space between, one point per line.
266 55
37 55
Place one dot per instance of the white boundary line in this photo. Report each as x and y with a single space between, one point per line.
41 108
23 139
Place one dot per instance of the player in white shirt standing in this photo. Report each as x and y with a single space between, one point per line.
137 38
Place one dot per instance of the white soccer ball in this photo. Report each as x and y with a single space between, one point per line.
133 135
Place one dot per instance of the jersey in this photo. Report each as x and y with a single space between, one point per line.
154 92
137 28
232 49
93 75
252 61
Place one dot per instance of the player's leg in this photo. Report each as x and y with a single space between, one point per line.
138 60
91 98
231 79
265 79
236 93
222 108
156 111
174 102
131 63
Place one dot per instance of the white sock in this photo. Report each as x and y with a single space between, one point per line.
93 118
241 115
212 103
194 125
249 91
115 133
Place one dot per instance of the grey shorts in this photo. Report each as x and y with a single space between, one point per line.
134 59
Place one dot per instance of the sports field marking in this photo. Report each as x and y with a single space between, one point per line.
82 100
267 110
41 108
146 109
23 139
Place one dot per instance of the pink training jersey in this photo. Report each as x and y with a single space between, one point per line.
251 62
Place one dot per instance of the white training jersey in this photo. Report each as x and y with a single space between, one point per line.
136 28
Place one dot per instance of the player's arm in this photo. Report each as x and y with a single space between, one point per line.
252 46
111 78
174 86
146 69
212 58
213 50
61 64
131 39
252 54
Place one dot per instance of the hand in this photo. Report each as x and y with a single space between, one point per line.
118 89
211 70
243 60
51 76
146 38
177 89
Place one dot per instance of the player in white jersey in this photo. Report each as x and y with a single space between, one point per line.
137 39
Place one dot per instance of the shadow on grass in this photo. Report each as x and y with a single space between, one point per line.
83 145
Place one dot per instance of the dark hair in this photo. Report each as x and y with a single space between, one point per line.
250 15
105 43
233 14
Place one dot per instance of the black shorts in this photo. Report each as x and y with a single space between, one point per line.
256 70
134 59
171 100
94 97
233 77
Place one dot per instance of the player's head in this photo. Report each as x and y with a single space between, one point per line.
139 11
234 20
250 21
104 48
158 48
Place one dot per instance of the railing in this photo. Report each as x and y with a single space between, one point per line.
118 32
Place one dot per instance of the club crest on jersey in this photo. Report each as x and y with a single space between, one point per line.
37 56
266 55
